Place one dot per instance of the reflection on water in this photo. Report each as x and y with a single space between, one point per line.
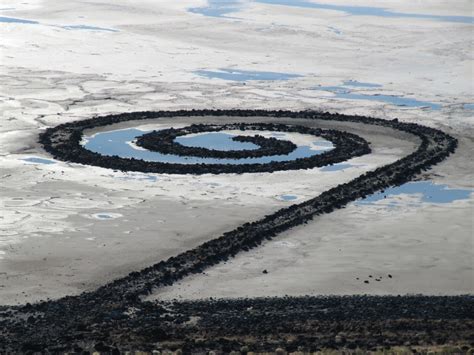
345 92
288 197
367 11
221 8
217 8
425 190
356 83
66 27
119 142
336 167
90 28
39 160
17 20
244 75
216 141
106 215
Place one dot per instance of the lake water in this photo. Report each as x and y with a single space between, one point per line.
336 167
217 8
288 197
88 28
355 83
17 20
244 75
66 27
216 141
426 190
345 92
221 8
36 160
118 143
367 11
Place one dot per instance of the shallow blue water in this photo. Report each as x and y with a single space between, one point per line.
17 20
391 99
336 167
342 92
356 83
428 191
104 216
217 8
115 143
89 28
221 8
468 106
215 140
288 197
67 27
367 11
39 160
244 75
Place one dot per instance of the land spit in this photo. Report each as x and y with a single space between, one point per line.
115 317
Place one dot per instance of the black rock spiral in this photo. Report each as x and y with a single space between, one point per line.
114 317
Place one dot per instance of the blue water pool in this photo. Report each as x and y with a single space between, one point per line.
337 167
118 143
217 8
17 20
39 160
244 75
356 83
104 216
426 190
215 140
345 92
89 28
288 197
367 11
221 8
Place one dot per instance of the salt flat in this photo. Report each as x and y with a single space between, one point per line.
147 55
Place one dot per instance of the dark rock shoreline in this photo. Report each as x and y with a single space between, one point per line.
114 318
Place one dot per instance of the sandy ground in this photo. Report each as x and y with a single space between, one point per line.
52 244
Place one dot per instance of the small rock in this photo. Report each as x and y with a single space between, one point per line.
265 271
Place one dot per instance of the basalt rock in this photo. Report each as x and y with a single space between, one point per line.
115 317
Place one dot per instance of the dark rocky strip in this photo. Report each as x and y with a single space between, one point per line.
164 141
115 317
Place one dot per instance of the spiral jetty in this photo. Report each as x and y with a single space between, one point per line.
115 318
